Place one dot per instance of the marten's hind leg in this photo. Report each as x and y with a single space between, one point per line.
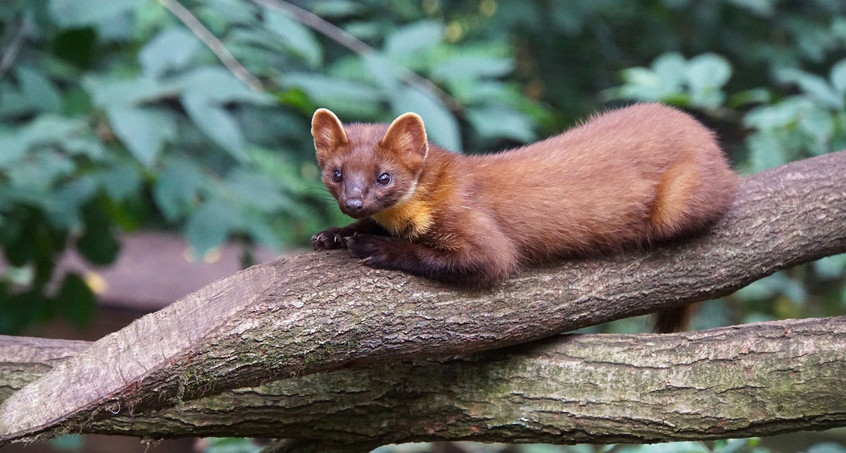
694 192
670 212
689 196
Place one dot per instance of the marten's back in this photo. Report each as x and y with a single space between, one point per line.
637 174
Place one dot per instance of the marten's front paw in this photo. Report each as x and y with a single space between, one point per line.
328 239
374 250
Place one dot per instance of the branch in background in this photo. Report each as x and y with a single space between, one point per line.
741 381
15 46
356 45
319 312
214 44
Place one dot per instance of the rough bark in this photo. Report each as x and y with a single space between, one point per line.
322 311
22 359
751 380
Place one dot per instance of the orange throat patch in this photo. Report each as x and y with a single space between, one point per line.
410 219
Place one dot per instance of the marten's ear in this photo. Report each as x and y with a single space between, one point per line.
328 133
406 137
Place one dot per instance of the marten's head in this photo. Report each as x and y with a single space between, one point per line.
369 167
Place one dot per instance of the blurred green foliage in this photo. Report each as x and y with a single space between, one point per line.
114 116
230 445
751 445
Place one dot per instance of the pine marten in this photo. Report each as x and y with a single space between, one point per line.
627 177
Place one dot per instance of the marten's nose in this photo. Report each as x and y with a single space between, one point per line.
354 204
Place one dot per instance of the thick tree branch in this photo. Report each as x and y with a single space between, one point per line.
322 311
741 381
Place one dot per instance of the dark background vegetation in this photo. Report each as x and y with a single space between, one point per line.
115 118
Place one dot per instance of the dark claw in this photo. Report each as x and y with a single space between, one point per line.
326 240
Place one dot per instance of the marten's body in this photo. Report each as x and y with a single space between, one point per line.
631 176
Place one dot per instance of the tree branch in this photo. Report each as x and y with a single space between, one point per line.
15 45
752 380
215 45
323 311
358 46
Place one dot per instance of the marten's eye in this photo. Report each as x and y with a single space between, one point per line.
384 179
337 176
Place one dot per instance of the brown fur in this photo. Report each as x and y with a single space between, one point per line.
631 176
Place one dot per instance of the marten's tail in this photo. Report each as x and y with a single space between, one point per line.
673 319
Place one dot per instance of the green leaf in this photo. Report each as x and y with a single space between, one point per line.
414 37
382 71
222 13
38 89
832 267
827 447
64 206
88 146
216 123
72 13
45 129
14 147
670 68
760 7
838 77
39 172
493 122
208 226
67 442
21 246
20 309
75 300
261 231
337 8
14 103
144 131
206 90
813 85
753 96
781 115
819 126
642 77
177 187
333 92
261 191
231 445
364 30
98 243
112 92
299 39
706 75
216 84
171 49
669 447
120 180
735 445
569 16
472 67
545 448
661 82
441 125
766 151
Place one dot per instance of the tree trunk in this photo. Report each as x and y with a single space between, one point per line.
741 381
322 311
